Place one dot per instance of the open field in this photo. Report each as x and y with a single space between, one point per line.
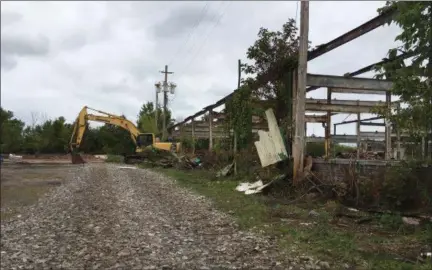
23 184
184 211
24 181
369 242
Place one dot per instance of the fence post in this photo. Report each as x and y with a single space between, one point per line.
388 127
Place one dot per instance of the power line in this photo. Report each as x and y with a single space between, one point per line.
192 48
206 37
194 27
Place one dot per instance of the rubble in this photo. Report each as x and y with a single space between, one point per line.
225 170
171 159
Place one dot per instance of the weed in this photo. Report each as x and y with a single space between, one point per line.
297 232
392 222
114 159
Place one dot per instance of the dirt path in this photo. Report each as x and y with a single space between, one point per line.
111 217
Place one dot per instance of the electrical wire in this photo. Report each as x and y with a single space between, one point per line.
194 27
206 37
347 117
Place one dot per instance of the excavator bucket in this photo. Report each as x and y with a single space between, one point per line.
77 158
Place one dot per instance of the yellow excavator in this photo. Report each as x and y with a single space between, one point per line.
144 141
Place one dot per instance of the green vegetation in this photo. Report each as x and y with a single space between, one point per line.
377 245
146 118
52 136
114 159
412 78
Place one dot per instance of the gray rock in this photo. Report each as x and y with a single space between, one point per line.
313 213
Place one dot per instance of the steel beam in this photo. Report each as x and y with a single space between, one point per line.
353 34
351 138
338 108
342 102
355 121
358 91
348 82
370 67
371 124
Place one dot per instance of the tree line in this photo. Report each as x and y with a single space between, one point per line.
53 135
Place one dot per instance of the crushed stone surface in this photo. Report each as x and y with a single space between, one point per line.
108 217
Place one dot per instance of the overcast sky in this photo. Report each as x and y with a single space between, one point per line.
57 57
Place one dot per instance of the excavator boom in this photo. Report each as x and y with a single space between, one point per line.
141 140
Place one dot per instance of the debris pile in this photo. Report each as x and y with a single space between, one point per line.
171 159
367 155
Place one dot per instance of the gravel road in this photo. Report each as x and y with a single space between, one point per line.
106 216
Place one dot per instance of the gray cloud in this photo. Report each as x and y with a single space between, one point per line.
17 46
107 55
7 62
183 19
74 41
24 46
8 18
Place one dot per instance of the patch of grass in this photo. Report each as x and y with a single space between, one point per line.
248 211
320 236
114 159
14 197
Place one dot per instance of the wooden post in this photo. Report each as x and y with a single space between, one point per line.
327 126
193 135
358 136
235 134
423 147
398 143
299 139
210 130
181 132
388 127
334 129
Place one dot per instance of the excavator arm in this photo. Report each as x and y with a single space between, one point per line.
84 117
142 140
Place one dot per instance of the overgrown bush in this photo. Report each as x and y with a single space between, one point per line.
401 187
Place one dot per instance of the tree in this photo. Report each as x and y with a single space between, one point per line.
412 80
274 53
146 119
11 134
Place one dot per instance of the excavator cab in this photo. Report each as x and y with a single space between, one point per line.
144 140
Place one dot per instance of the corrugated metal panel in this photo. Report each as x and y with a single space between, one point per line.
270 146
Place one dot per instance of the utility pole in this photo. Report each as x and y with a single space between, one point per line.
299 143
157 104
166 88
